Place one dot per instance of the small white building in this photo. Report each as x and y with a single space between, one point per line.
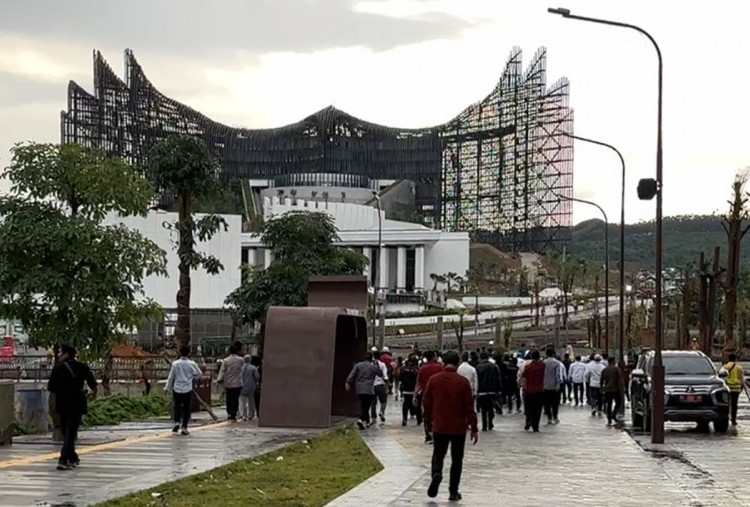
410 252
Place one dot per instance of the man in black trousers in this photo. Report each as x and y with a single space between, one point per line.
66 383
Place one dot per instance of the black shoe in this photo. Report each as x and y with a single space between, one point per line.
75 463
427 440
432 491
455 497
536 430
382 418
527 427
63 465
185 431
361 424
491 427
176 429
403 423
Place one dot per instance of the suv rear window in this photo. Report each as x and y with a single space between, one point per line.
688 365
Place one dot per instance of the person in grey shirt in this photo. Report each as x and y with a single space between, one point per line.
250 377
554 376
362 377
230 374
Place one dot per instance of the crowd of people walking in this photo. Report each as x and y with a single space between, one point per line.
444 393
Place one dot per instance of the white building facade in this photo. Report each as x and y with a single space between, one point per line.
410 253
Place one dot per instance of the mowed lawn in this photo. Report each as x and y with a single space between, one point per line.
308 474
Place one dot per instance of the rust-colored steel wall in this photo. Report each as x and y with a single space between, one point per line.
304 360
338 291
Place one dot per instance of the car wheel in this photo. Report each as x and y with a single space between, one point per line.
721 425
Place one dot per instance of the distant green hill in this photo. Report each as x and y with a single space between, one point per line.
684 238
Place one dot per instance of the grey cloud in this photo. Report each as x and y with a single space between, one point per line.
200 26
19 90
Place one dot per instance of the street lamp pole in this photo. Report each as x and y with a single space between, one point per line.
621 329
381 337
651 188
606 263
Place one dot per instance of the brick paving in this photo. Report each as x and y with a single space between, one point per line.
578 462
139 456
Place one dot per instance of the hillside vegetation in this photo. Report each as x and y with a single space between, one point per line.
684 238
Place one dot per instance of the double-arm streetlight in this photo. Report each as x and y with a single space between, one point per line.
606 263
647 189
621 327
376 281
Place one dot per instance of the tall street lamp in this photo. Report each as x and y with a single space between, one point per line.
621 329
606 263
647 189
376 282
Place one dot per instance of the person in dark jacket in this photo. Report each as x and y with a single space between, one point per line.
363 377
510 385
489 385
407 385
66 383
449 412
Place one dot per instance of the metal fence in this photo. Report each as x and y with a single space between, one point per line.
130 369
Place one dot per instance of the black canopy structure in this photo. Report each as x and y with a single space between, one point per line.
502 169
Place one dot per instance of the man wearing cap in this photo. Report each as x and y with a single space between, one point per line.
594 378
449 411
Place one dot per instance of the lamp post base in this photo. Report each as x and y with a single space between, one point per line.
657 404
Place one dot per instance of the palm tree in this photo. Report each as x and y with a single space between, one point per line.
450 277
343 196
293 192
325 198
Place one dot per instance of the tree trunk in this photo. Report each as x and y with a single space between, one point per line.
712 302
185 248
703 305
684 337
734 231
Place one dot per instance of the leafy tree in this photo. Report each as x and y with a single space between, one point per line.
181 166
303 244
63 274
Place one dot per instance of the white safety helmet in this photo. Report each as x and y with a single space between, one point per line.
374 349
386 349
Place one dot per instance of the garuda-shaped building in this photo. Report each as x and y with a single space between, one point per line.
502 169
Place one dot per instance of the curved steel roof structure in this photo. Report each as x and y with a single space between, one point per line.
501 169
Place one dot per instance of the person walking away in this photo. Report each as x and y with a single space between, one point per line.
533 386
363 377
182 374
510 385
468 372
426 371
593 377
449 411
554 376
380 389
489 385
613 387
576 375
387 359
66 383
502 366
567 386
407 385
257 362
230 374
735 380
397 375
250 377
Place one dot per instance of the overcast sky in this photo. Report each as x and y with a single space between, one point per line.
413 63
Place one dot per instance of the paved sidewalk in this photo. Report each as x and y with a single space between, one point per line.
578 462
120 460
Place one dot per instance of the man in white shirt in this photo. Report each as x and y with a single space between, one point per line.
576 375
380 387
594 377
180 381
230 374
469 373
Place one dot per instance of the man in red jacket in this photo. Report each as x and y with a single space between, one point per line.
426 371
449 411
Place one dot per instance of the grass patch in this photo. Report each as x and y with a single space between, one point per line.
112 410
310 473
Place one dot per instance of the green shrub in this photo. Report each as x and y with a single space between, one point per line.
115 409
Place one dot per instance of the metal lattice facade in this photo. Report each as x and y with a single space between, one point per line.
501 169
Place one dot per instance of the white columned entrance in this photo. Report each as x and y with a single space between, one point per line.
367 252
419 268
383 269
251 257
267 257
401 268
